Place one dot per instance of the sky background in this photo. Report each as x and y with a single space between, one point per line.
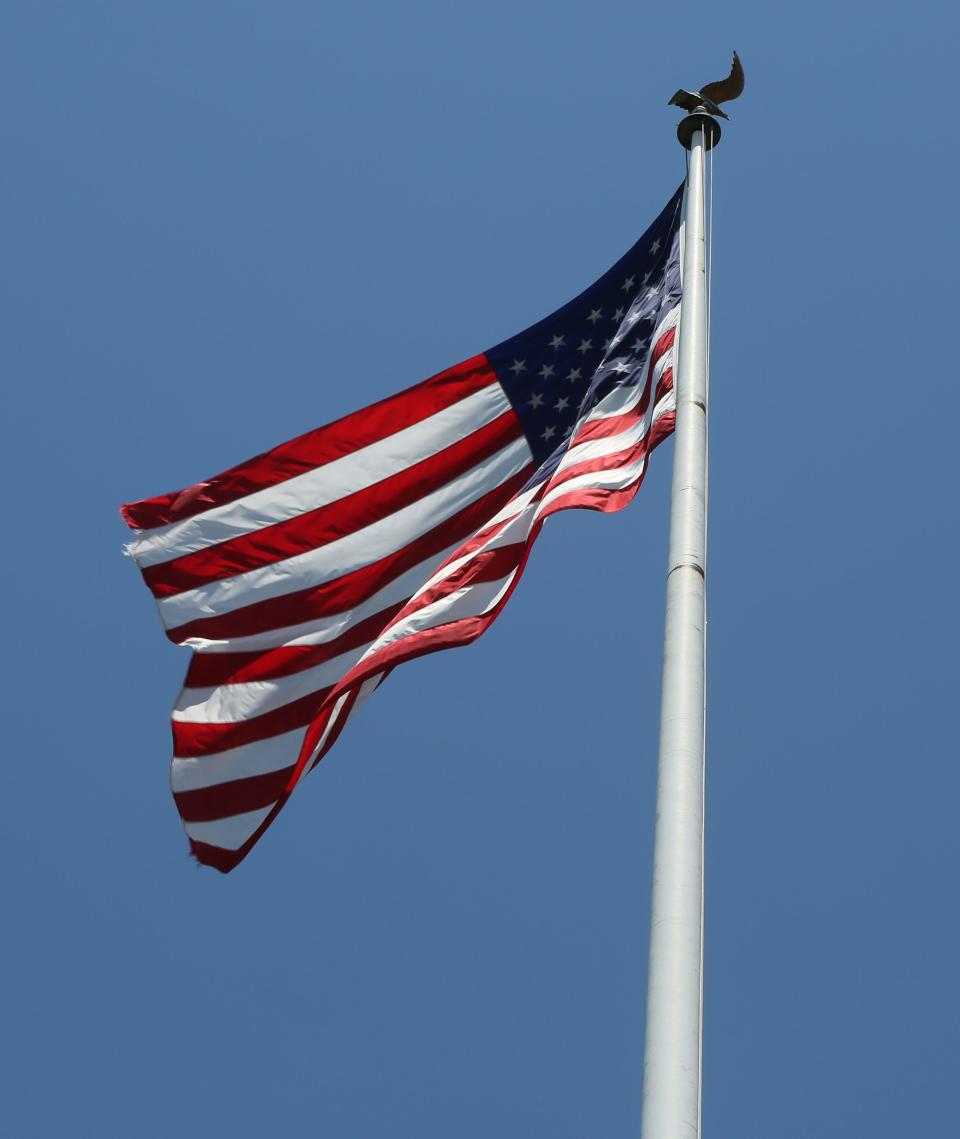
226 223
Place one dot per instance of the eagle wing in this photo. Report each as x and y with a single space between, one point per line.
726 89
687 100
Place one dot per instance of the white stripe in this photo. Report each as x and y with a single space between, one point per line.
325 629
470 601
606 445
669 320
665 362
325 484
623 398
667 403
233 703
368 686
617 478
230 833
505 536
260 758
328 728
511 508
353 551
618 402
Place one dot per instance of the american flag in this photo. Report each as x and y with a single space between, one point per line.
301 578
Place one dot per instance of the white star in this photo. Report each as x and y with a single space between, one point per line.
574 374
560 404
546 371
548 434
633 318
518 366
585 345
646 277
594 316
557 342
536 400
651 293
621 367
655 246
627 284
618 315
637 346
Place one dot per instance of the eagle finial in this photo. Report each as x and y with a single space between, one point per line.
712 95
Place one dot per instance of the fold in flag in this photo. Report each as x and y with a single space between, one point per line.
302 577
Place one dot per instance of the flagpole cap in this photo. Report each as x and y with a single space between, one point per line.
695 121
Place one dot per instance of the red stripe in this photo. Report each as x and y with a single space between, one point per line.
663 346
208 670
613 424
596 498
662 427
191 740
315 528
226 860
343 714
603 463
664 385
322 445
344 593
217 858
234 798
603 498
481 537
490 565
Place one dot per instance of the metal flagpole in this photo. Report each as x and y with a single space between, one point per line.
671 1078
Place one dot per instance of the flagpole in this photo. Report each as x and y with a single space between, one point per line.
672 1057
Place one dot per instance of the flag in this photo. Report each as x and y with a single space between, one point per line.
301 578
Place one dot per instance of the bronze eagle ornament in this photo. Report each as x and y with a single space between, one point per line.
712 95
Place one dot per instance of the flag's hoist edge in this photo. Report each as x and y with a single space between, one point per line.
302 577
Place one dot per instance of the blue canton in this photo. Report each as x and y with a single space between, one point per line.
555 371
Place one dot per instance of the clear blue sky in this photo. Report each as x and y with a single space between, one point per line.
226 223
